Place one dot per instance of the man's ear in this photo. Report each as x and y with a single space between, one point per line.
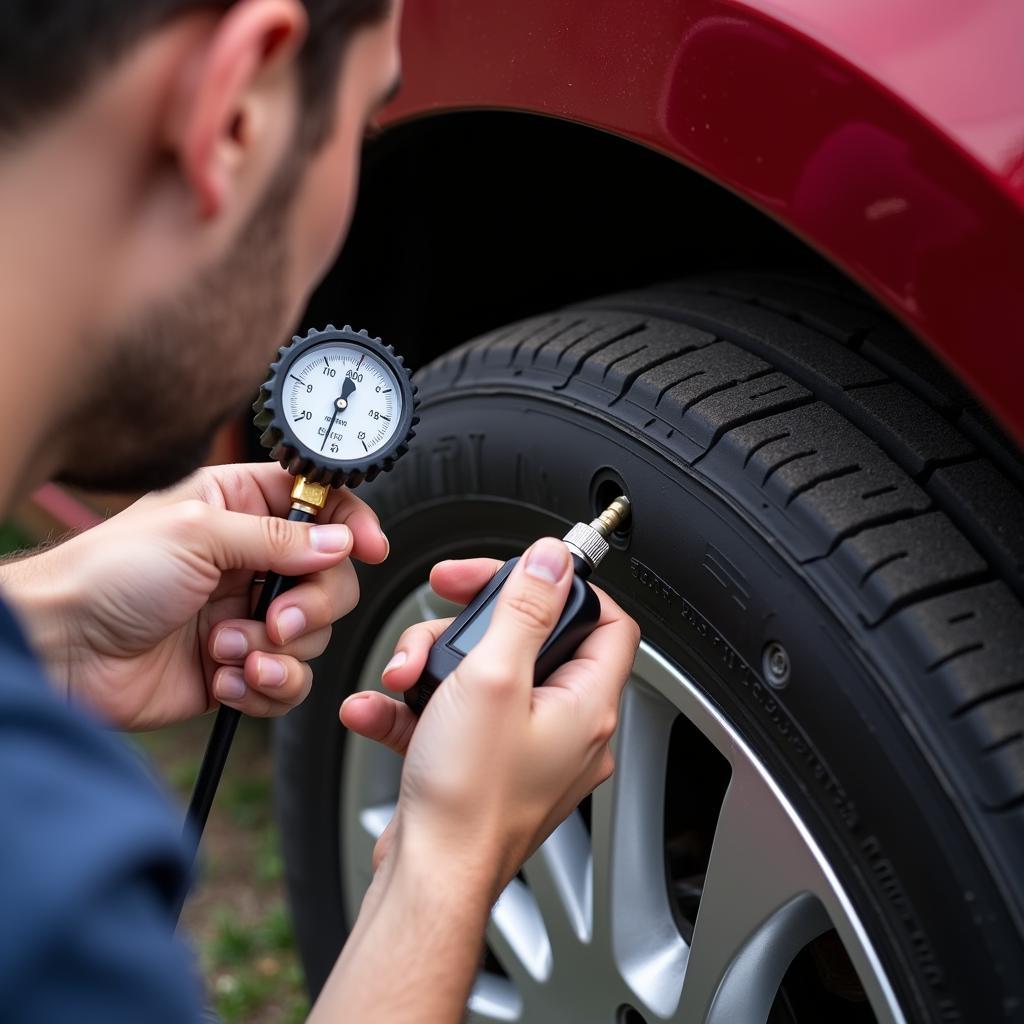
221 118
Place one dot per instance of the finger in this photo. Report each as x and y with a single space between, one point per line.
233 640
604 661
236 540
460 580
267 686
265 488
411 651
530 602
314 604
379 718
370 543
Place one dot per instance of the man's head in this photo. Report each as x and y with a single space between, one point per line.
192 167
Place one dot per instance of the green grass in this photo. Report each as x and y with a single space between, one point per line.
252 968
12 539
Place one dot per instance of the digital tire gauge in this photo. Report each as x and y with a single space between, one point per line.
588 544
337 409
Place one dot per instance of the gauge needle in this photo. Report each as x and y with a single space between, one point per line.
342 403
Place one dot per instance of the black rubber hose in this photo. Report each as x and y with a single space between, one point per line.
226 723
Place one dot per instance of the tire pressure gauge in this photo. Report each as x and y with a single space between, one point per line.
338 408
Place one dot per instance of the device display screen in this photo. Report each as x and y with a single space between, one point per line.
469 636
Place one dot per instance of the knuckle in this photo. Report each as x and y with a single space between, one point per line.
605 727
634 632
530 609
498 680
278 534
605 767
320 642
348 595
191 514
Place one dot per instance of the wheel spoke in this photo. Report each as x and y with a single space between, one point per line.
560 877
493 999
757 910
371 823
631 903
517 935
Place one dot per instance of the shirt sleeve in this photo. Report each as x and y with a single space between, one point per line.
92 868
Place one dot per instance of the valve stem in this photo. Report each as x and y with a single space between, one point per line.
590 541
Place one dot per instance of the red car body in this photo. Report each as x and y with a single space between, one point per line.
887 135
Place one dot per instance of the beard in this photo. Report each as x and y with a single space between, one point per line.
188 366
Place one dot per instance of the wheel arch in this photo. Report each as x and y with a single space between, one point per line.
836 130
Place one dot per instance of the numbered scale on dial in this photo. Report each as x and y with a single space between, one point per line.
338 407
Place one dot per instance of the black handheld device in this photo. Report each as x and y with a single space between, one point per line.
588 544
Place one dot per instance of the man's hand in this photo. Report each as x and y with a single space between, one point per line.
492 767
494 764
145 617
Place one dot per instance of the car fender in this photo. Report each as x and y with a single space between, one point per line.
888 136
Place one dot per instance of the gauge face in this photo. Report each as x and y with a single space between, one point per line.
341 401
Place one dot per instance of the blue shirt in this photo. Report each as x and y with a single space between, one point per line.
92 865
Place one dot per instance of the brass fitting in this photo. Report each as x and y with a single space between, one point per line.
614 516
309 497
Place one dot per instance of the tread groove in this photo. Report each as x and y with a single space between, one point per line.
639 372
959 652
802 454
764 443
834 474
935 590
593 351
1003 691
562 330
878 566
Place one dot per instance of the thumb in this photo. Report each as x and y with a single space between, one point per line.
236 540
531 601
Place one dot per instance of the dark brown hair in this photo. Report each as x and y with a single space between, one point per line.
51 49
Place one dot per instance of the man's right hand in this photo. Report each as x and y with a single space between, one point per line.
495 764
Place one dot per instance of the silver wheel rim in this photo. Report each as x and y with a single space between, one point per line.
592 929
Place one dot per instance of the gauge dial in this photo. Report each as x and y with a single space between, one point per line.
338 407
343 402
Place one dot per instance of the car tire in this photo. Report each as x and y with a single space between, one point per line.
827 538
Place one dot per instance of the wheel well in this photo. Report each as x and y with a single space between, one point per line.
469 220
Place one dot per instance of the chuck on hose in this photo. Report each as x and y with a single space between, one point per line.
588 544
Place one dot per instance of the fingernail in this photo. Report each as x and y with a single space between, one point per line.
547 560
330 539
352 698
230 645
397 661
387 543
290 624
270 672
230 684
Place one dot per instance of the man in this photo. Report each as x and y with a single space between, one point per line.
175 175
